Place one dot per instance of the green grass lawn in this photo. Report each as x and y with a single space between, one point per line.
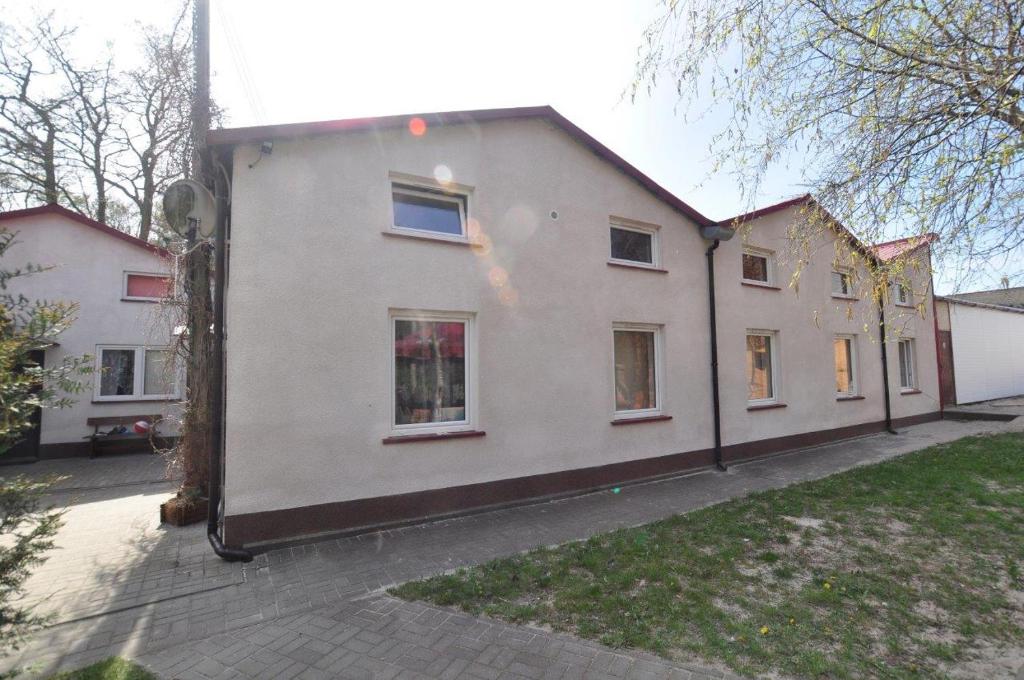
114 668
895 570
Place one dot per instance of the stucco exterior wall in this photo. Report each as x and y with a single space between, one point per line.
988 359
87 267
806 318
918 321
312 280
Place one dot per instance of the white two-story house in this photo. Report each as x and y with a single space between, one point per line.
118 283
439 313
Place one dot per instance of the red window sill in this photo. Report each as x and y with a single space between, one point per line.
406 438
910 391
624 265
856 397
164 400
645 419
765 407
765 286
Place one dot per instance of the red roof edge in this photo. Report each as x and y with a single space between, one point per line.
883 249
52 209
265 133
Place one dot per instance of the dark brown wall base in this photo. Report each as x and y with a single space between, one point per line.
78 449
263 529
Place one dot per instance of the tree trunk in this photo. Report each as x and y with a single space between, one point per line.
146 206
50 165
101 184
194 443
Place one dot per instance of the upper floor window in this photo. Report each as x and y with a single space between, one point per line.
428 209
901 294
842 283
758 266
129 372
146 287
634 243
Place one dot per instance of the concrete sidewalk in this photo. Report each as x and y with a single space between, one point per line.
123 584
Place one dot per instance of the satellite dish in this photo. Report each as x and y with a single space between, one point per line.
188 203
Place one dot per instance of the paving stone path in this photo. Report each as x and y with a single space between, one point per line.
120 583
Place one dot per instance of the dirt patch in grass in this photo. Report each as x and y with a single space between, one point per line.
906 569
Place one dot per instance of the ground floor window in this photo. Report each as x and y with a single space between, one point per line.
430 371
761 373
637 370
127 372
845 358
908 377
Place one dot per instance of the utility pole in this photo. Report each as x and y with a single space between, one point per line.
196 437
201 170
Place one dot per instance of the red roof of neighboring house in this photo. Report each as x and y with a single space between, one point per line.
52 209
266 133
890 249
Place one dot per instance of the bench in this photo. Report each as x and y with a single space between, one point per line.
100 442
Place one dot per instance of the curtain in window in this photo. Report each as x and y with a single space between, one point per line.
142 286
118 378
844 364
430 371
759 367
634 371
755 267
156 379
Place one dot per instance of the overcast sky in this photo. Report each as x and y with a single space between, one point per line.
301 60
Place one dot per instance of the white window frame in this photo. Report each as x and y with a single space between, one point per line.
848 273
769 257
659 372
651 230
468 424
139 384
421 187
773 350
911 354
140 298
854 363
907 299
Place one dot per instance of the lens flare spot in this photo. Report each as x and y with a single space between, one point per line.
498 276
508 296
482 244
443 174
417 126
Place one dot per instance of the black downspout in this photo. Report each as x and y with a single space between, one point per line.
885 370
714 355
217 377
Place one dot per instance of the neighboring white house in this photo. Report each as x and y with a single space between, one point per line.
116 280
431 314
986 344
